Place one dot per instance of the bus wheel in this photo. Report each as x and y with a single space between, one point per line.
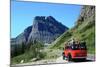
69 58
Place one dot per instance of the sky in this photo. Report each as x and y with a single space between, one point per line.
23 13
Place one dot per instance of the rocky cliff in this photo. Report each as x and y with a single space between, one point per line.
46 29
86 12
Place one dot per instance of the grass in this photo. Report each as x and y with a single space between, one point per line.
53 53
27 57
62 39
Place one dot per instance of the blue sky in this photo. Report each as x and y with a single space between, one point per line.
23 13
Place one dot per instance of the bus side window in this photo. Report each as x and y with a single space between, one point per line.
67 47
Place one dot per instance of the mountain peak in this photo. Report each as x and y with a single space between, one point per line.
39 18
44 18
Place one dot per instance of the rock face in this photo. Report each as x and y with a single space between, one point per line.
44 29
86 12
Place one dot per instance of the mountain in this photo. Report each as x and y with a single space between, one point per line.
84 29
44 29
23 37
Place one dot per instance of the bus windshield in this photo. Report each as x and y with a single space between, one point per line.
78 47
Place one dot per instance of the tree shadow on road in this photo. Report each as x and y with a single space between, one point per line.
83 60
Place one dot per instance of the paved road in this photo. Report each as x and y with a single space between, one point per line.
90 58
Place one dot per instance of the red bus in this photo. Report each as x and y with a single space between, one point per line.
75 51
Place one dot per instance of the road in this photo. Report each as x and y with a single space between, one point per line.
90 58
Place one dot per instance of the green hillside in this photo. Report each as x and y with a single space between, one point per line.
85 30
